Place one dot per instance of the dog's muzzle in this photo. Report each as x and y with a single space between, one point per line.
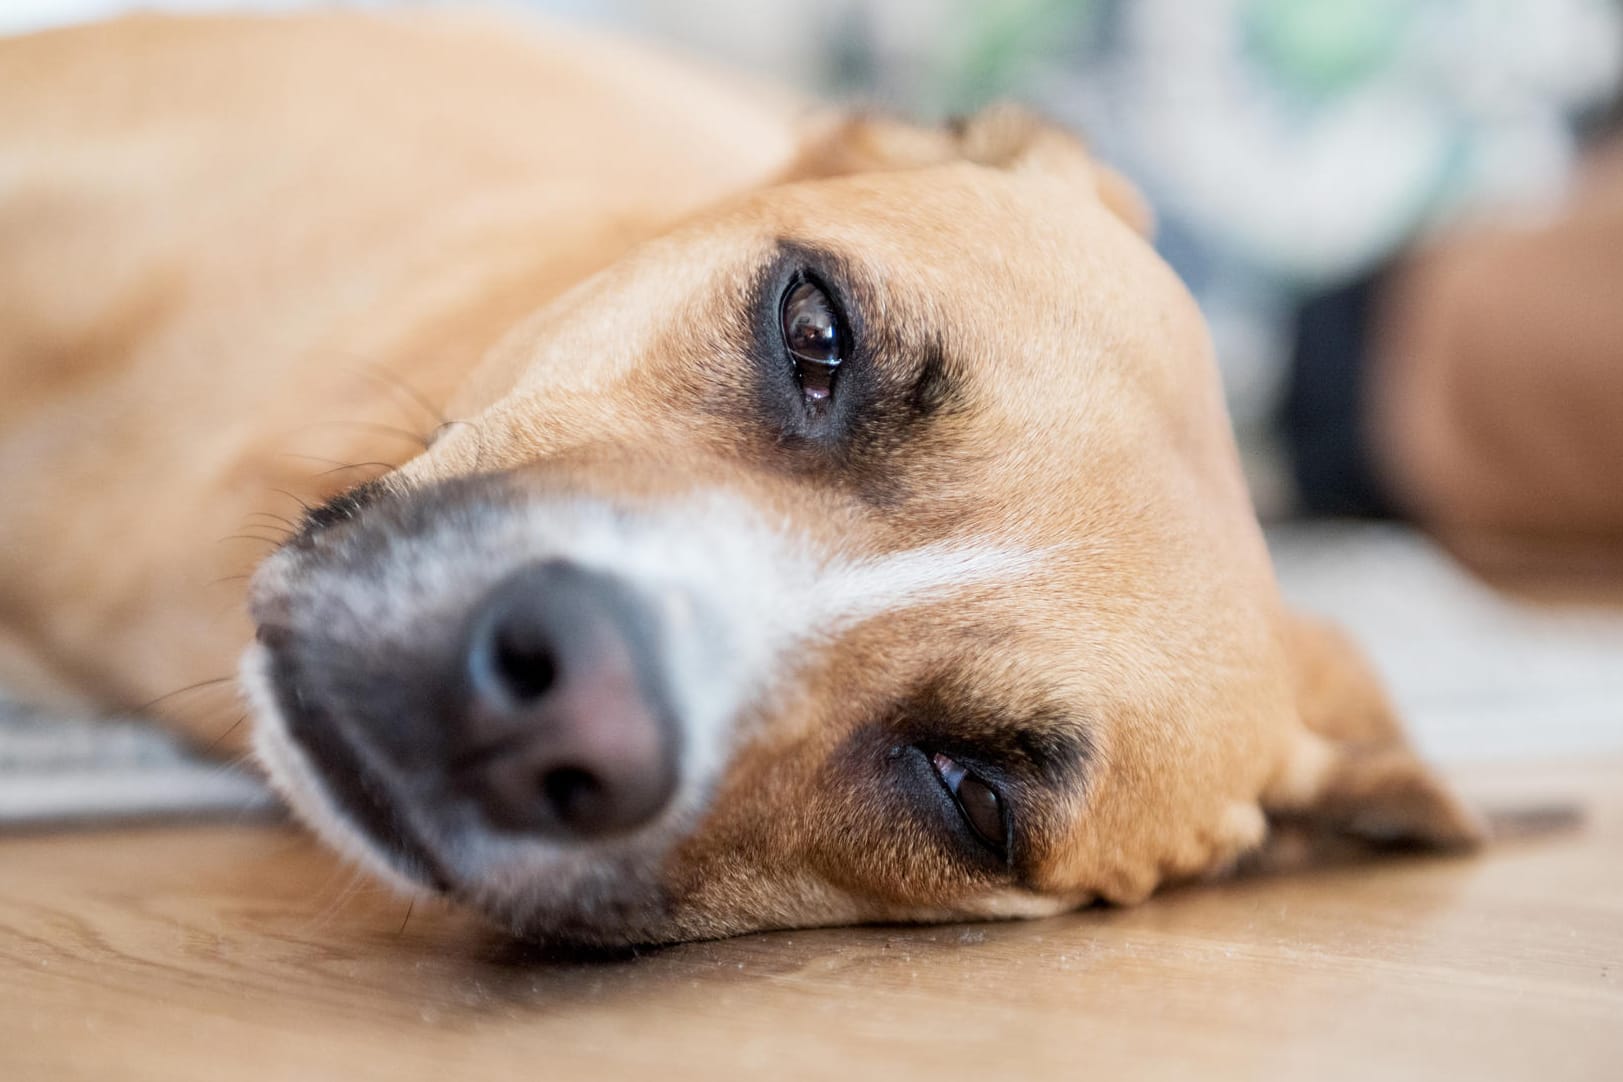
517 697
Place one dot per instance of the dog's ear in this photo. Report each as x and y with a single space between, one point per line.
1002 136
1348 767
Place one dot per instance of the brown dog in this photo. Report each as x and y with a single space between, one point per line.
839 522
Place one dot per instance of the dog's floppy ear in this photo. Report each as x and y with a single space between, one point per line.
1348 767
1003 136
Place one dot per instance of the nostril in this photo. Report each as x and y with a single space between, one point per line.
577 798
560 727
526 668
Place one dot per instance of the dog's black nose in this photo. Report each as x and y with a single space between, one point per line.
565 730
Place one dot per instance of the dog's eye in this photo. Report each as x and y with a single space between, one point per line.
978 802
812 335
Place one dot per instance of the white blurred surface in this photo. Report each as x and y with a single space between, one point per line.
1477 675
19 16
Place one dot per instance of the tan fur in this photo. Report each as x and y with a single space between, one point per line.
215 233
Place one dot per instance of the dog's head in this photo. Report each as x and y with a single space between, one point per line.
871 548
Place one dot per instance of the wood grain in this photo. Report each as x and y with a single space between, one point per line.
249 953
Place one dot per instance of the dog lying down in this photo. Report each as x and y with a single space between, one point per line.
816 519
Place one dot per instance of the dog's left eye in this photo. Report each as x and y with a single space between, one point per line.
813 338
977 801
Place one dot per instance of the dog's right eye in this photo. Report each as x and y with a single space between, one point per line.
814 338
978 802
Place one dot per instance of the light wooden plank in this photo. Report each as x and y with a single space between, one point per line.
249 953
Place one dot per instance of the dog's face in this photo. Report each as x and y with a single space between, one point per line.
873 548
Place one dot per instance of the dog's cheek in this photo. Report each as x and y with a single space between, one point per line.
785 898
745 869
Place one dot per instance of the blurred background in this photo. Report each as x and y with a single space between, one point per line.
1288 146
1348 187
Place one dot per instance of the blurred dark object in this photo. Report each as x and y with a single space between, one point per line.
1322 415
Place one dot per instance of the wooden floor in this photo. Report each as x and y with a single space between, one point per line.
247 953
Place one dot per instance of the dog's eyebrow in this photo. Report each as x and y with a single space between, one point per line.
937 383
914 376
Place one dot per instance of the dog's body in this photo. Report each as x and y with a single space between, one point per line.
996 539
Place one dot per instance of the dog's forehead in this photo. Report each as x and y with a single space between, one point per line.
1066 330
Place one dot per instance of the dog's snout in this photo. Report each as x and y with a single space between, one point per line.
564 726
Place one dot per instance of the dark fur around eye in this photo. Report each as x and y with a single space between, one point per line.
788 342
1047 747
894 387
1036 758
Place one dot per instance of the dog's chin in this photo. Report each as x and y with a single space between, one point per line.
598 896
